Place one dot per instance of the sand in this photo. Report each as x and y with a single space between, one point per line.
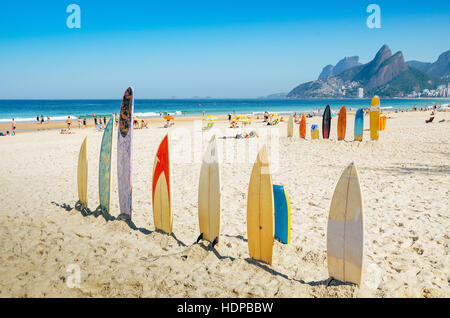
405 181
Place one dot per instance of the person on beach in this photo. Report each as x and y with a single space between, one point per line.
229 117
84 123
42 119
104 121
48 119
13 125
37 119
68 122
95 121
79 123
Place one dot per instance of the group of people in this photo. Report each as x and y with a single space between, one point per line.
40 119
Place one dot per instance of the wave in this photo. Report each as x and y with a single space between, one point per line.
33 120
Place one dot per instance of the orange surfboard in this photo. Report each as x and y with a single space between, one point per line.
303 127
342 123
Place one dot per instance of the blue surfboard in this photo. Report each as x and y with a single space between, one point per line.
282 214
359 125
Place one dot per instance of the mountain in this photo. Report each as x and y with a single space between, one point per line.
341 66
387 75
275 96
440 68
421 66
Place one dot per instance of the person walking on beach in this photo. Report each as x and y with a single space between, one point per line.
69 122
42 119
84 123
104 121
79 123
13 125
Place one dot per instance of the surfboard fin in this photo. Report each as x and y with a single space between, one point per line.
124 217
214 243
199 238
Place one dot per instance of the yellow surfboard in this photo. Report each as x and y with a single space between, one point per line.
375 118
209 195
82 175
345 232
260 210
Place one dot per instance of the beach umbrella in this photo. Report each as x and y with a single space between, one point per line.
210 118
168 117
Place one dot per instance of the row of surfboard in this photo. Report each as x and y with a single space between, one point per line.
342 123
268 208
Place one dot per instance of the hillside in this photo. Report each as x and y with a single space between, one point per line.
387 75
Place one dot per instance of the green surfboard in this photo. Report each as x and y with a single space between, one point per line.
105 168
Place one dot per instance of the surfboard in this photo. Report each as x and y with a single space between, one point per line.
282 214
342 123
82 175
314 132
359 125
260 210
303 127
345 233
124 154
290 126
104 167
209 194
375 118
326 123
162 188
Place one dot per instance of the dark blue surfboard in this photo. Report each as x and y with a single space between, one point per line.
282 214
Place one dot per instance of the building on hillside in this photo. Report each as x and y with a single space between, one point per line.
360 92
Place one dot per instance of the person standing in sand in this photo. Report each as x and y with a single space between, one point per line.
68 122
84 123
13 125
79 123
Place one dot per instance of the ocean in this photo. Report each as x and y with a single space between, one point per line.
27 110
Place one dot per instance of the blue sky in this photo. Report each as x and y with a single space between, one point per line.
202 48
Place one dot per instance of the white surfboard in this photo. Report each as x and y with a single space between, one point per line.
290 126
345 233
209 194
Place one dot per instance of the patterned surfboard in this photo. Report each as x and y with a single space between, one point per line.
124 152
104 170
359 125
326 123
